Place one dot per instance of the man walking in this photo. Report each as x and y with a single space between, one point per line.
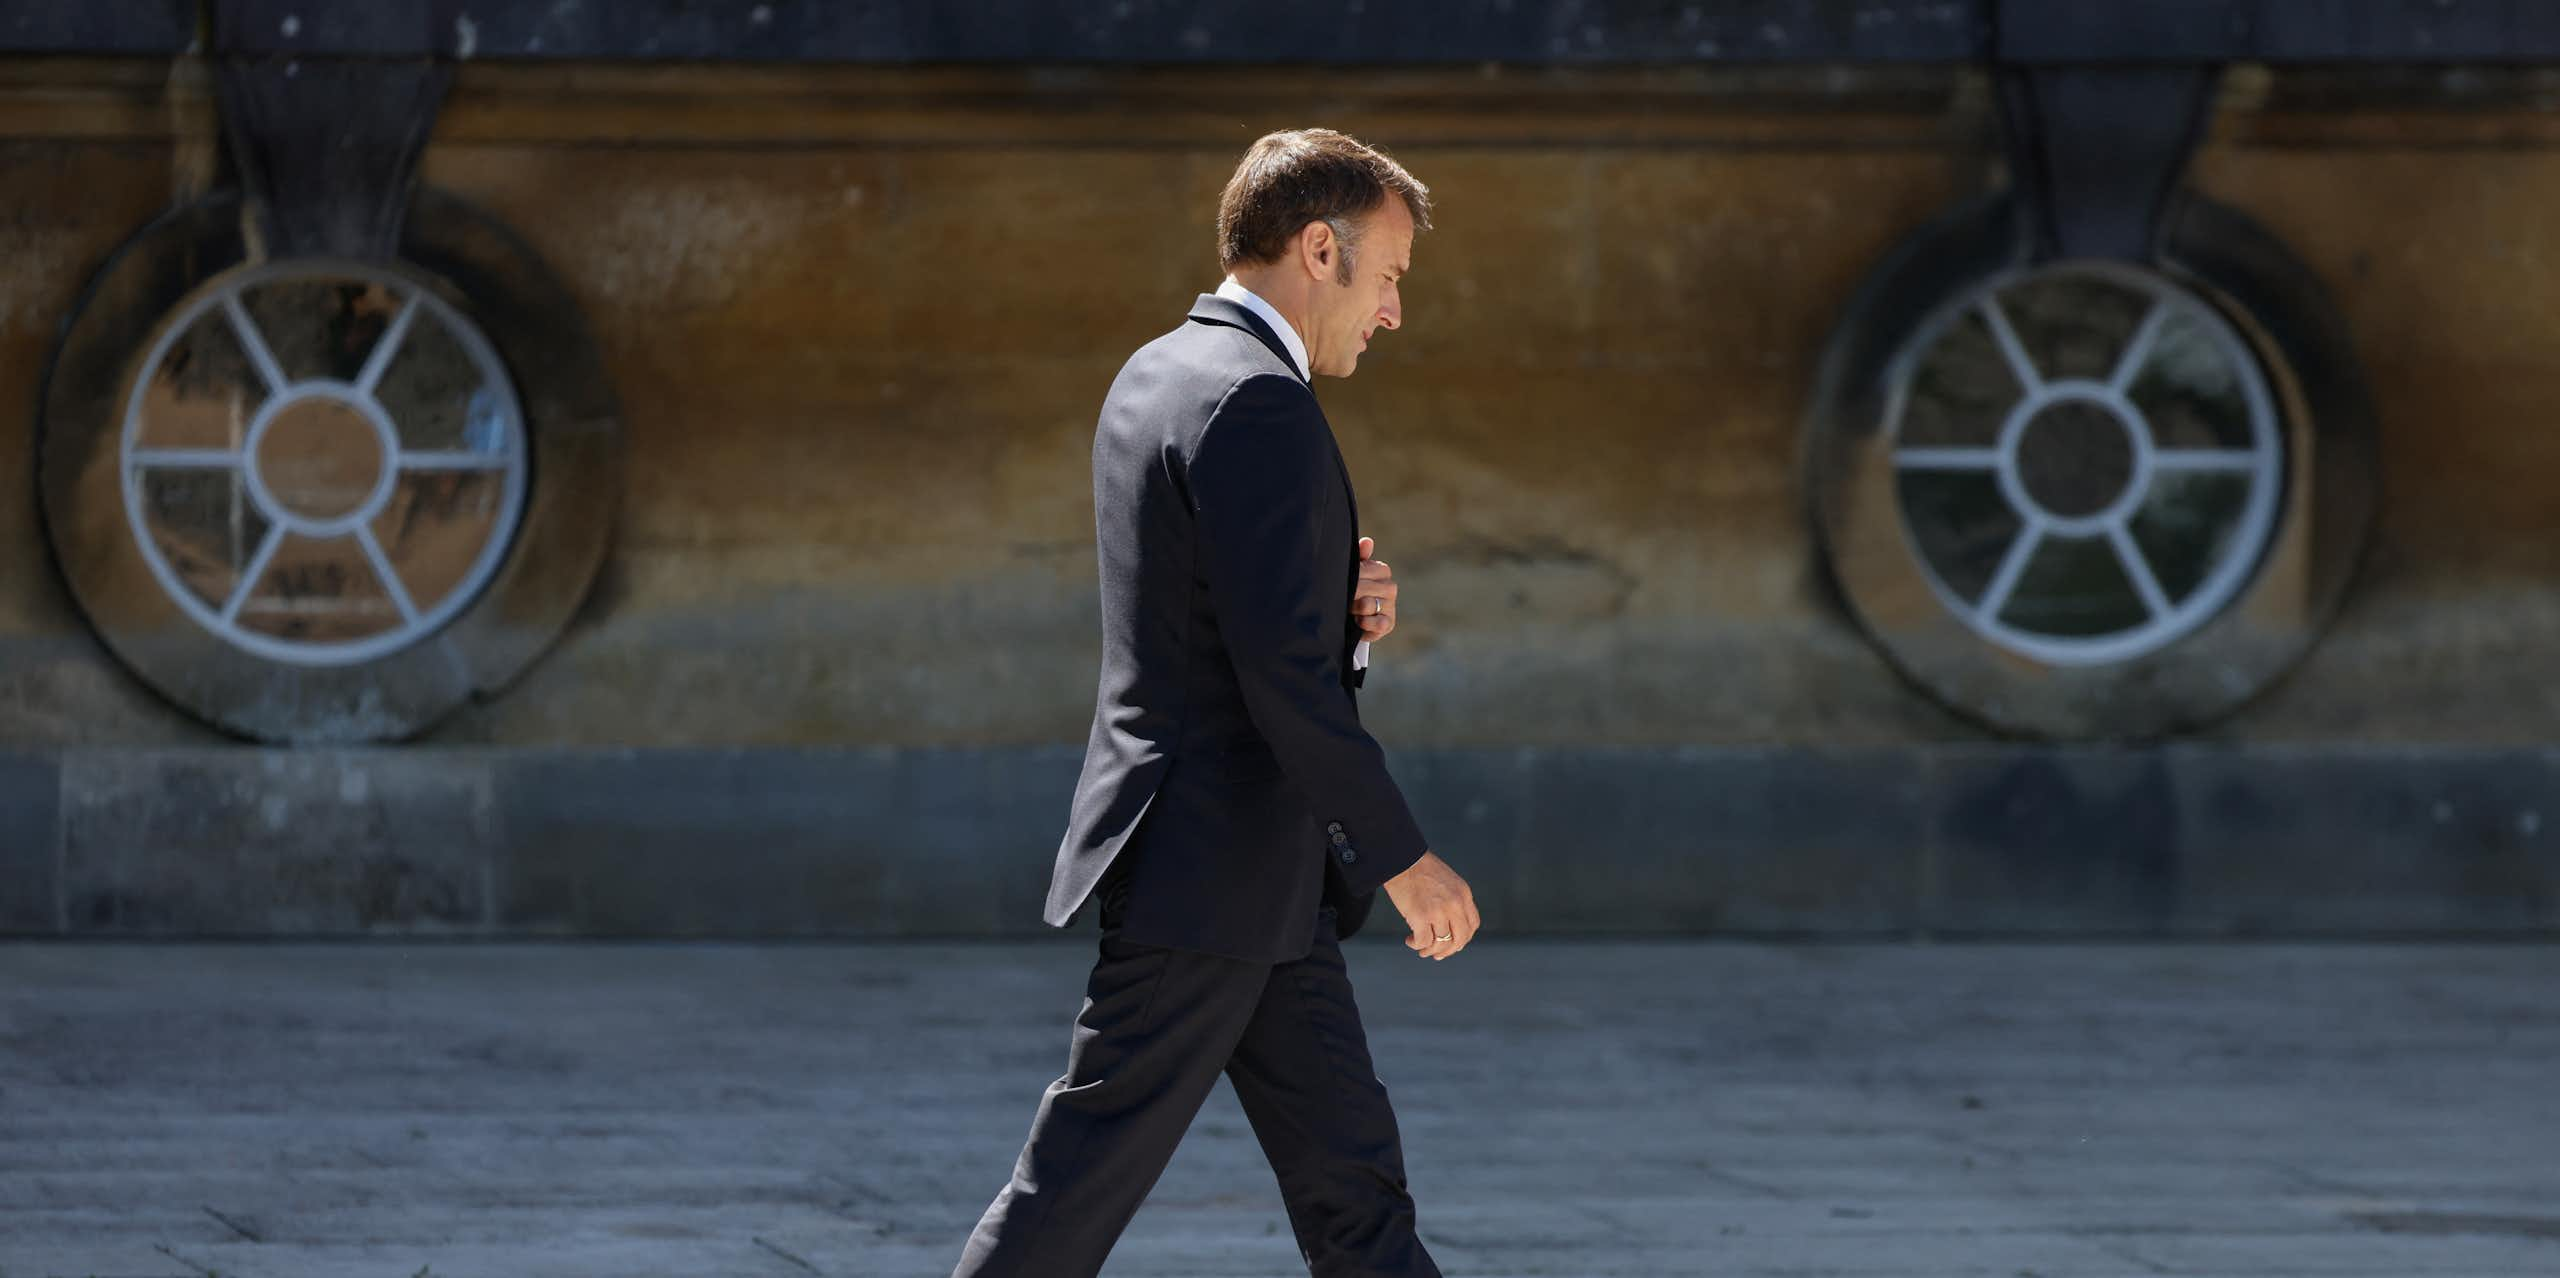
1234 820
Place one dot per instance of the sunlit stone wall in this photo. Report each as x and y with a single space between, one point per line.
860 321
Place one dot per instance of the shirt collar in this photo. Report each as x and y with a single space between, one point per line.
1288 333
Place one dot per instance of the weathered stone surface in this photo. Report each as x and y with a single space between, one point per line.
2290 835
30 843
765 843
2005 841
2030 841
855 509
1691 840
275 841
1570 1110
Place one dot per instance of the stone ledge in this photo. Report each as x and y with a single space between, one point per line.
1973 840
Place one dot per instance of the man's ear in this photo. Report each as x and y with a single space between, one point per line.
1320 250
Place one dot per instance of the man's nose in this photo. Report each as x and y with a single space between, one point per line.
1391 315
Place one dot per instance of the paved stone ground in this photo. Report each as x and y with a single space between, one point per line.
633 1111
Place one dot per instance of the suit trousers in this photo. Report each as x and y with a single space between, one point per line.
1157 1028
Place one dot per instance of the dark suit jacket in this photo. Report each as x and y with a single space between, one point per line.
1228 786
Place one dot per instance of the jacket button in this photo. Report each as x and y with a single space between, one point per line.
1333 827
1339 838
1349 856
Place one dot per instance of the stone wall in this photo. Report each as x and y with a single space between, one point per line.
860 322
835 673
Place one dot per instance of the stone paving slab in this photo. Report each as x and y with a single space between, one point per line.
1571 1109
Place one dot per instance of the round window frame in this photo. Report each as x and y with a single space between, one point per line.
573 441
224 291
2278 308
2229 574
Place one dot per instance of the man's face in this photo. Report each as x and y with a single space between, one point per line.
1346 315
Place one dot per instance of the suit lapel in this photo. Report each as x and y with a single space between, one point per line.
1351 504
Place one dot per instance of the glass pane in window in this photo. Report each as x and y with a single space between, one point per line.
2075 459
320 458
2074 587
2184 525
1961 389
1961 525
2074 325
319 590
436 525
204 528
438 399
204 392
320 328
2190 389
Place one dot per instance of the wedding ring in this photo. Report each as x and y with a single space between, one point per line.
1450 937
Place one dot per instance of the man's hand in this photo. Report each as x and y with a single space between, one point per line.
1437 906
1373 601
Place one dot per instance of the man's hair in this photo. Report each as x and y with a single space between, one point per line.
1289 179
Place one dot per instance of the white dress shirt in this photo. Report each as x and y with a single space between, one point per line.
1288 333
1252 301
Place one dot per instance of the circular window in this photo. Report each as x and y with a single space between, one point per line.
2088 461
2090 500
322 462
316 500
